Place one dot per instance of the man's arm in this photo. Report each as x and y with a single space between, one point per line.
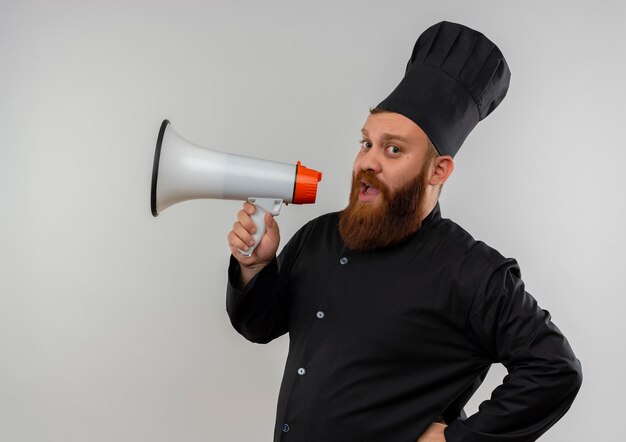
257 295
252 302
544 375
257 311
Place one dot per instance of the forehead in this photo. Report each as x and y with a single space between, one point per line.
391 123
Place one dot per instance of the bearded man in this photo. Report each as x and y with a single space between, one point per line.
394 313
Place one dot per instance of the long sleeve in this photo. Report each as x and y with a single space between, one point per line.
544 376
259 311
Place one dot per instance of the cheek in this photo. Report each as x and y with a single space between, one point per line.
400 177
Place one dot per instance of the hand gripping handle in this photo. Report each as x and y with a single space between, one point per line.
262 206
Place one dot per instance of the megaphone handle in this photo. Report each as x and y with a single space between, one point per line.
262 206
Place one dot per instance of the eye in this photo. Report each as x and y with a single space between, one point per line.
393 150
365 144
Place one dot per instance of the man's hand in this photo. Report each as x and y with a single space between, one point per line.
240 238
434 433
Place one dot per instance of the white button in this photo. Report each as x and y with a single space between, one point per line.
343 261
320 314
301 371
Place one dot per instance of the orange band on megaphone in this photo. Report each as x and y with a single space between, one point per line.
305 189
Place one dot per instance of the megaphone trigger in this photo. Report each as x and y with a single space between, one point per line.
262 206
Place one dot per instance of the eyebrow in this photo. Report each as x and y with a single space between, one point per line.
387 136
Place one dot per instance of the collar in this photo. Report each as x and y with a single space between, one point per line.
432 217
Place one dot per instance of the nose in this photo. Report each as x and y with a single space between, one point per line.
369 160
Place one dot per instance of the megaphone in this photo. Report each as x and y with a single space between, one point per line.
184 171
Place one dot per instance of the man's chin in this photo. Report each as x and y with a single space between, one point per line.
369 208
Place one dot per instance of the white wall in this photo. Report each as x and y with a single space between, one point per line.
113 323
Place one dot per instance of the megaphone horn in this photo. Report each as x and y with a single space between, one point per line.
184 171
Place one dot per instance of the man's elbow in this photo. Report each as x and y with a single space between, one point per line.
568 380
575 375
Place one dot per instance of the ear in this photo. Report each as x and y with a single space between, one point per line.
441 169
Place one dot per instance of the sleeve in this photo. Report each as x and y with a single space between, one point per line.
259 311
544 375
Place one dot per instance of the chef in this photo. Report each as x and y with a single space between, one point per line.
395 313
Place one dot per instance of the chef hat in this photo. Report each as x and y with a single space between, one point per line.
455 77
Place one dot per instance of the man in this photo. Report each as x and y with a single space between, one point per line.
394 313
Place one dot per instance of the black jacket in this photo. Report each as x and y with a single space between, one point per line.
384 343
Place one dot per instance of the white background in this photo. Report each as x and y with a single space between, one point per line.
113 323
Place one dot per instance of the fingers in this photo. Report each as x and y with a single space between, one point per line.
249 208
244 217
236 241
240 238
241 235
245 227
434 433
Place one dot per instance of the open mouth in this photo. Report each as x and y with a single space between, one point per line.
364 187
367 189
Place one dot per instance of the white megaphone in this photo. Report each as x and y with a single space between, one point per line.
184 171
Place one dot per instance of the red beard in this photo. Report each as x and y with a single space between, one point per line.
363 227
